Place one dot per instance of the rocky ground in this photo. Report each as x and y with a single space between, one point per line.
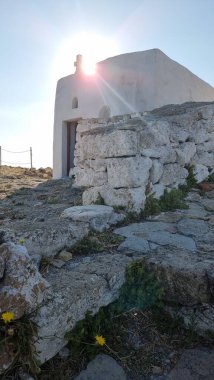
178 246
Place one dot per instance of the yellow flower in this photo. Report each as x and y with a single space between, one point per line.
100 340
21 241
8 316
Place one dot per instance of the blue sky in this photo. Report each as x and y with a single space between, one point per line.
36 48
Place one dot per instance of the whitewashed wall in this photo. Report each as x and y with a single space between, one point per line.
126 157
132 82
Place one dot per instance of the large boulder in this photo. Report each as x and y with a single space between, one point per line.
22 287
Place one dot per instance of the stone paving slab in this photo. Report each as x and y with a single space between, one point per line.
195 364
103 367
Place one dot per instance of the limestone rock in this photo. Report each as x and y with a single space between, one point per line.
158 190
208 204
166 154
185 153
102 367
98 216
156 171
116 144
182 275
206 159
61 234
202 314
23 288
89 177
135 244
165 238
134 199
74 290
156 133
194 364
178 135
192 227
173 173
200 172
128 172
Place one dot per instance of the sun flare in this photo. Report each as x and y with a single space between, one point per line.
93 47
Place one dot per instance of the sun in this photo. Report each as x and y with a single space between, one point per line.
88 66
93 47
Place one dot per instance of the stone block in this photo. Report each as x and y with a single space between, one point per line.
185 153
206 159
115 144
89 177
156 171
128 172
173 174
179 135
155 134
134 199
158 190
166 154
200 172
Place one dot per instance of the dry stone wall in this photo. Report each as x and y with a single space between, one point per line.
127 157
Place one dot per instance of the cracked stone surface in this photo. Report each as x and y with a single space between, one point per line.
179 247
83 285
33 215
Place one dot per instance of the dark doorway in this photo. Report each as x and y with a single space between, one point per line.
71 141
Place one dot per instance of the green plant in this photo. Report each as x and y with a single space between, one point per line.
141 289
16 338
82 337
191 180
172 200
96 242
119 208
210 179
151 207
44 264
130 217
99 200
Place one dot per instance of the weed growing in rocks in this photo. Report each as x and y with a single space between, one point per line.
172 200
16 338
97 242
191 180
119 208
99 200
151 207
210 179
140 291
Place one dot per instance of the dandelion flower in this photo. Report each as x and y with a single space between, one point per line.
21 241
100 340
8 316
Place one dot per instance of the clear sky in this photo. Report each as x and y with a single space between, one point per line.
38 45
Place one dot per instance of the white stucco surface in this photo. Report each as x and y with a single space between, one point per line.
124 84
